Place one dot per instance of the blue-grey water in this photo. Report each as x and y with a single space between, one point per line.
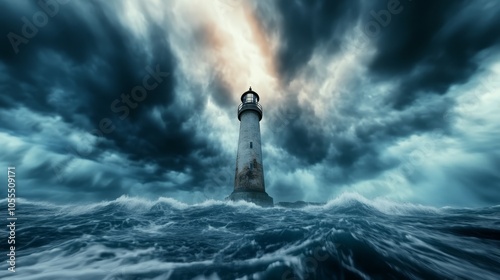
348 238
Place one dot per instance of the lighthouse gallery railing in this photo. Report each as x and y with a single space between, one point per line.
249 105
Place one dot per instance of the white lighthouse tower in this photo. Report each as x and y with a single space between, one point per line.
249 177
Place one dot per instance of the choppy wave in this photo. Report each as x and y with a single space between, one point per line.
350 237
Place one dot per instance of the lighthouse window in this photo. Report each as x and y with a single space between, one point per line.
250 98
251 145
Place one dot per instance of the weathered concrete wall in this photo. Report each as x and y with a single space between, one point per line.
249 169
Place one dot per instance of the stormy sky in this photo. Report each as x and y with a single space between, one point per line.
388 99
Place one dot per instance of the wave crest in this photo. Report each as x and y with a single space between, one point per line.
351 200
345 202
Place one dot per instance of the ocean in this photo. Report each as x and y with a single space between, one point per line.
349 237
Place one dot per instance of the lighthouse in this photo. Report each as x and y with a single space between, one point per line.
249 176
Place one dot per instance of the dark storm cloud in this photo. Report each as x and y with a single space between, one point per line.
307 25
297 130
361 152
421 47
431 45
62 83
85 53
221 92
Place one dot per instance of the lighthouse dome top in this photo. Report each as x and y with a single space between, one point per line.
249 95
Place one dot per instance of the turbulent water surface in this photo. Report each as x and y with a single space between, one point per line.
348 238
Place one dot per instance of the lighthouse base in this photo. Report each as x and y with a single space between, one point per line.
260 198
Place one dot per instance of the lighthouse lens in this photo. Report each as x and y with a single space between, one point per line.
250 98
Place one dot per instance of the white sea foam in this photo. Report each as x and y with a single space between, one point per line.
139 204
382 205
260 241
213 202
88 263
173 202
